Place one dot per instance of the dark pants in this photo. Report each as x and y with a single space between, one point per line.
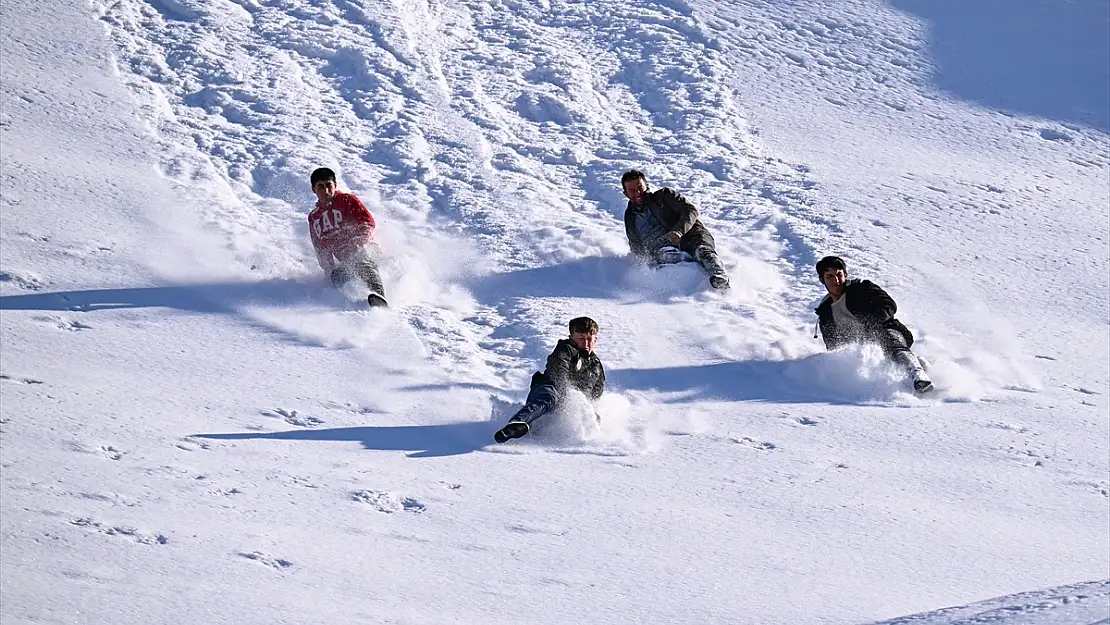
896 349
364 265
697 242
891 341
542 399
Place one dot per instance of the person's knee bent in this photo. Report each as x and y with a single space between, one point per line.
892 342
544 394
697 238
367 269
704 252
340 275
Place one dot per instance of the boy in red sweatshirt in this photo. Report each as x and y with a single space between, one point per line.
342 232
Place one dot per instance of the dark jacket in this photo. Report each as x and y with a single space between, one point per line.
868 303
675 212
568 366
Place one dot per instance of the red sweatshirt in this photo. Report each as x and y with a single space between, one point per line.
340 228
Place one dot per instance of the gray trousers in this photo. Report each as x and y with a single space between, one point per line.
362 264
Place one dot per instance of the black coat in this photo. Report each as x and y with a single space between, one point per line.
568 367
673 211
868 303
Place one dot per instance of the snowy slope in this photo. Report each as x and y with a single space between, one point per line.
1074 604
197 429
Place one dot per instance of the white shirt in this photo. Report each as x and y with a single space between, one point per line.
847 325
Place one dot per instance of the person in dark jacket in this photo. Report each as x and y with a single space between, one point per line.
571 365
859 311
662 224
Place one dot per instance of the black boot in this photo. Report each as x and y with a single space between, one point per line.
909 361
708 259
513 429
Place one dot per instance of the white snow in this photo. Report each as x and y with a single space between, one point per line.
197 429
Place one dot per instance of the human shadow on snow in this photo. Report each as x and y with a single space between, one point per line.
224 298
813 379
592 276
599 277
421 441
214 297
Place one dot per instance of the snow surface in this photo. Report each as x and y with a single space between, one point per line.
196 429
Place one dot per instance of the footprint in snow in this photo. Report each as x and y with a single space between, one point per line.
754 444
532 529
1050 134
225 492
192 444
292 418
25 281
134 534
1019 429
268 560
108 451
386 502
303 482
68 325
21 380
349 407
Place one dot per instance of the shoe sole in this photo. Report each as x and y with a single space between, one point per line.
514 429
374 299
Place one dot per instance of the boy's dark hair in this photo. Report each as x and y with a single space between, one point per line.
831 262
322 174
583 324
632 174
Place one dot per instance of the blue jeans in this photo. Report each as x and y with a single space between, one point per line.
542 399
